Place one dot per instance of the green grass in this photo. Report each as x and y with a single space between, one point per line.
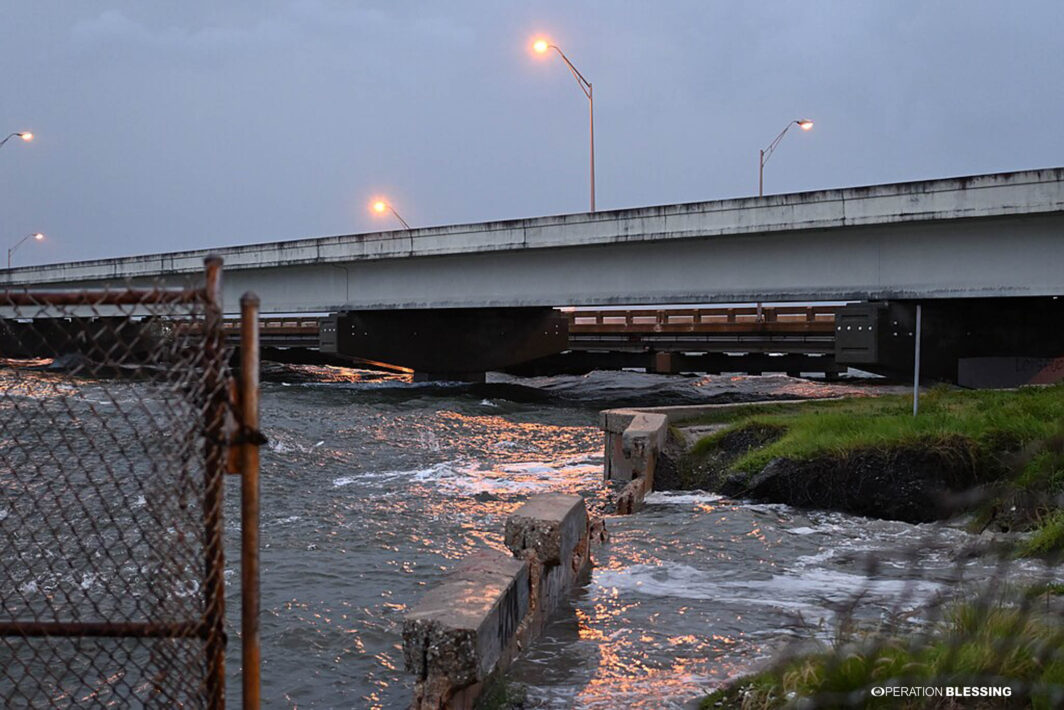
1012 437
1048 536
1053 589
724 415
976 641
708 443
995 421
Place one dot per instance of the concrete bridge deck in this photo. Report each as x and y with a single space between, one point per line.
995 235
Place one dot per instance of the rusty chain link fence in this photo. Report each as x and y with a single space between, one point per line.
113 410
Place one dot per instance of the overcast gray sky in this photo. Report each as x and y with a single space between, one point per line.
200 124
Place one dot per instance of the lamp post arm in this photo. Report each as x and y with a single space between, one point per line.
401 220
20 242
767 152
9 137
585 85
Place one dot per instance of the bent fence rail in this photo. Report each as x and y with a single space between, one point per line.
115 417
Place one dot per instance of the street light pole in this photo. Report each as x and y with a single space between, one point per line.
36 235
541 46
763 155
24 135
804 123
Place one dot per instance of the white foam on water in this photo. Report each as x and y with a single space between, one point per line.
186 589
528 468
433 472
278 446
819 558
681 498
808 592
466 478
804 530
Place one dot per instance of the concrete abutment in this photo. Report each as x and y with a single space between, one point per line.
635 438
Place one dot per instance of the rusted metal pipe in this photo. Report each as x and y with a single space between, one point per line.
97 629
214 432
127 297
249 500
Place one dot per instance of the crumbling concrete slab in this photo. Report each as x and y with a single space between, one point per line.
459 629
551 532
472 624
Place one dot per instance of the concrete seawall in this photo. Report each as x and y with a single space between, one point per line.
473 624
635 438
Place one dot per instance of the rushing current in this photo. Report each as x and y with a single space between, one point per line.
374 487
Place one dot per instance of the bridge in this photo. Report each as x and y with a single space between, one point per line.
478 296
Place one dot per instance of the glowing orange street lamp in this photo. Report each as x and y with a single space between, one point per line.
380 207
541 46
24 135
804 123
36 235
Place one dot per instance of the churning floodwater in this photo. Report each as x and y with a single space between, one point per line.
374 487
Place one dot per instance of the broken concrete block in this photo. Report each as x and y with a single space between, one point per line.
551 525
459 628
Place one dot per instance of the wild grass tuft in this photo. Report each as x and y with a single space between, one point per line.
975 645
1048 536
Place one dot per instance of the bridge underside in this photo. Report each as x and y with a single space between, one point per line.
972 342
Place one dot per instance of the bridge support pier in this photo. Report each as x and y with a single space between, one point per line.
665 363
1004 342
446 343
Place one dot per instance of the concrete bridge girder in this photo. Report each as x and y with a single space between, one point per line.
983 236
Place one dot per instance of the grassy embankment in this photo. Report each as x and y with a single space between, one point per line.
1014 442
975 645
1011 441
